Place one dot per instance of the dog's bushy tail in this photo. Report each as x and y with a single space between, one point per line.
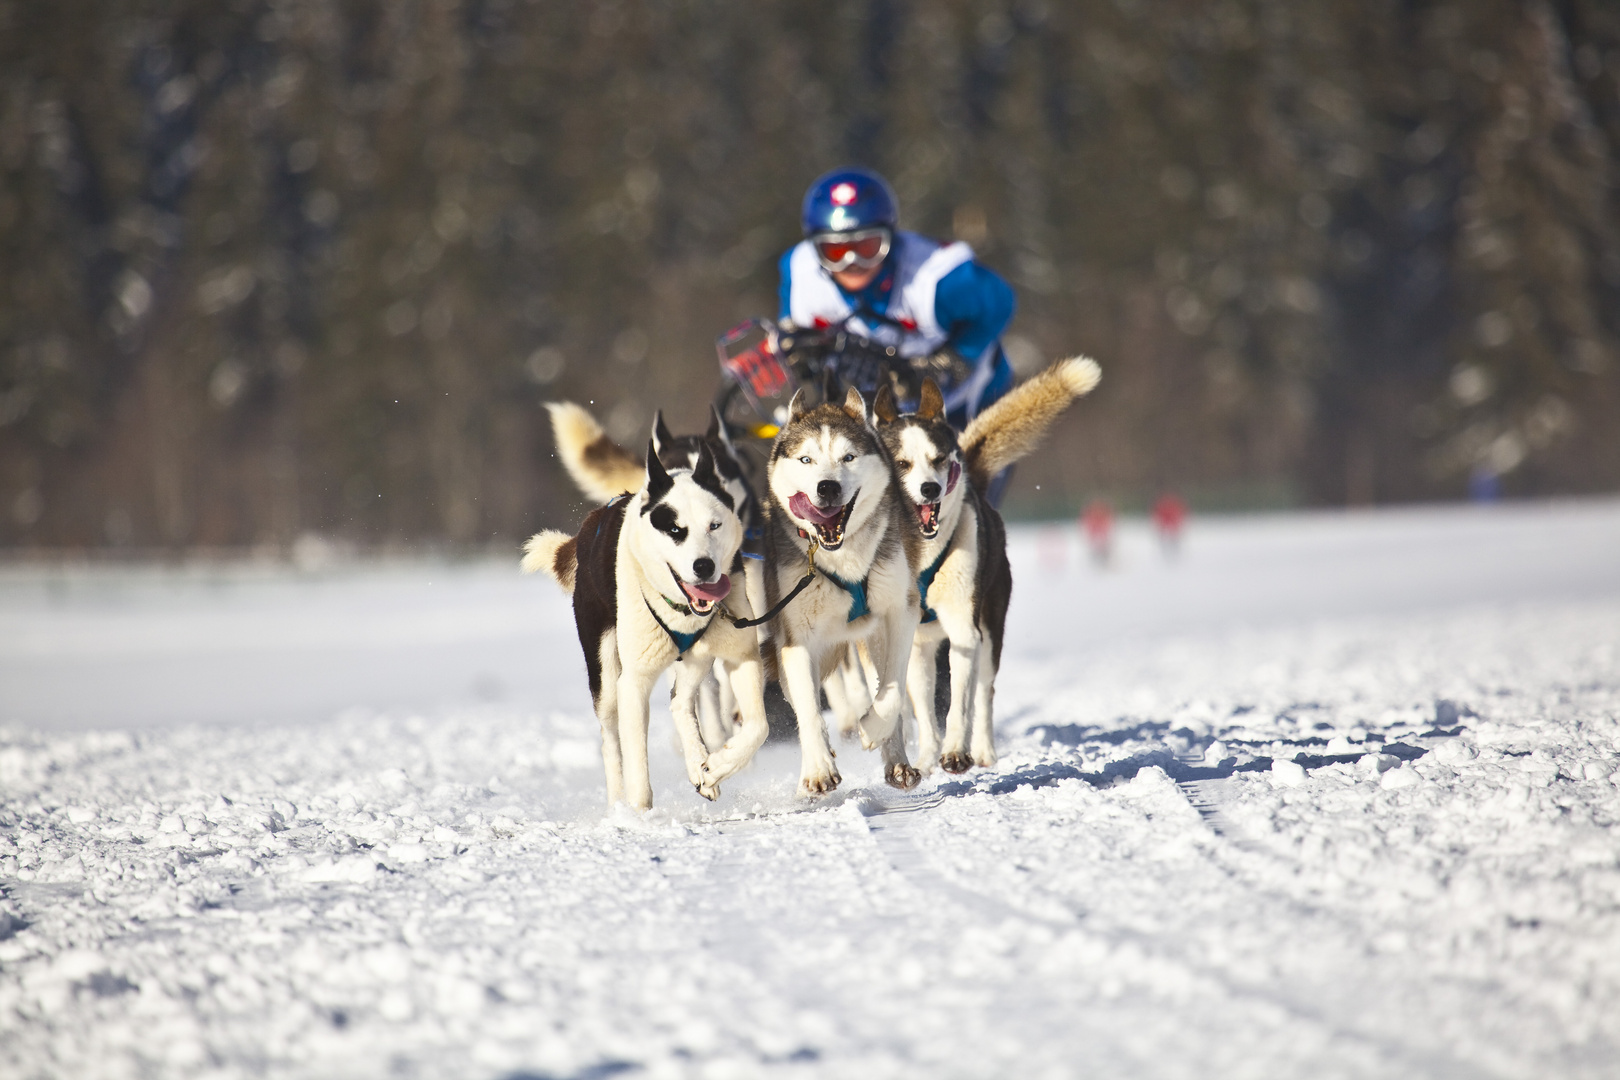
553 553
1015 425
601 467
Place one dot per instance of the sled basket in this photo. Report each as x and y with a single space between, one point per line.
748 357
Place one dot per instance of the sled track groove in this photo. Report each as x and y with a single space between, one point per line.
890 821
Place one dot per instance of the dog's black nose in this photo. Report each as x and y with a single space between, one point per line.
703 568
930 491
828 492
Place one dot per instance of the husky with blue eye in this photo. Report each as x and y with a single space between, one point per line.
831 503
651 576
603 470
964 582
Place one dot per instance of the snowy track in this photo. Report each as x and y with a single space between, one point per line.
1333 797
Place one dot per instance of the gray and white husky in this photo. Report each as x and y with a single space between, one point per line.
831 497
648 573
964 581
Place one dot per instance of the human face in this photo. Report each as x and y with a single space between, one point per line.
855 280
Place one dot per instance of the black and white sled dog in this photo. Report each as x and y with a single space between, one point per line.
603 469
964 581
648 573
831 500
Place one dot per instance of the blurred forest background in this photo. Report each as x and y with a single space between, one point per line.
299 267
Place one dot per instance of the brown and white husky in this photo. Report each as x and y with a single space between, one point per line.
963 579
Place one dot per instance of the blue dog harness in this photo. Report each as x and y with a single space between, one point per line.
683 642
924 580
857 594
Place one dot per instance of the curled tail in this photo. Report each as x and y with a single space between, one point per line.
553 552
1012 427
600 467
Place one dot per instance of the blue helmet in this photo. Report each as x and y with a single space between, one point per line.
846 200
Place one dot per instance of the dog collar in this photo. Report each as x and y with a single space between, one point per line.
684 609
924 580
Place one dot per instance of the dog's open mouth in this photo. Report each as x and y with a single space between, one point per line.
702 597
928 519
830 524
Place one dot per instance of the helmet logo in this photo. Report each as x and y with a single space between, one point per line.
843 194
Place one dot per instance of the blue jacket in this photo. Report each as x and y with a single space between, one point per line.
931 295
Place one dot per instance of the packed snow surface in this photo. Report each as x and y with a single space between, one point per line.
1328 795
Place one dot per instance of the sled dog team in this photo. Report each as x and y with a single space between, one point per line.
878 548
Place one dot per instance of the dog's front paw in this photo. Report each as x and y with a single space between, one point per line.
955 761
706 783
902 776
811 787
984 756
876 728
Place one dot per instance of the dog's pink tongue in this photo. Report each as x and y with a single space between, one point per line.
715 590
801 506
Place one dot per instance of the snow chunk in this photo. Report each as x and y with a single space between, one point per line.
1397 777
1285 773
353 868
76 964
1453 752
1371 765
407 853
396 1006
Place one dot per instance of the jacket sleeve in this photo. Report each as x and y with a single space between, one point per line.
784 288
973 305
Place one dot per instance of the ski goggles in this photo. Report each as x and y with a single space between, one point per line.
862 249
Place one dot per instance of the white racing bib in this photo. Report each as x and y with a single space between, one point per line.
919 265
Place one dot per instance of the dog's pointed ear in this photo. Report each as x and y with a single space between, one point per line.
703 469
660 435
800 403
883 406
830 385
718 429
855 406
707 477
658 480
932 402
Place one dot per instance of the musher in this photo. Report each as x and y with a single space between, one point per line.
940 311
